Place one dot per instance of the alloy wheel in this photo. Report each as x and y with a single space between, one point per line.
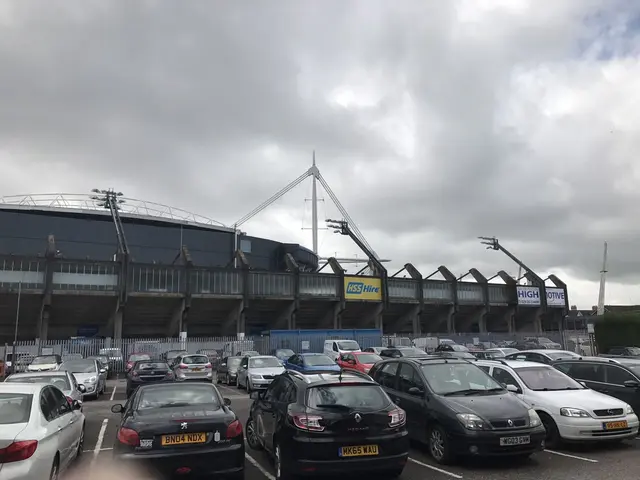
278 462
436 444
252 435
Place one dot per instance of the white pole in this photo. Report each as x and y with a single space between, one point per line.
314 210
603 281
15 334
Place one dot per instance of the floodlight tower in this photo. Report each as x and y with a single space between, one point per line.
110 200
603 281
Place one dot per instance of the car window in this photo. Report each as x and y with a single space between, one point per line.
360 397
517 356
150 366
15 408
386 376
616 375
79 366
547 379
177 395
318 360
504 377
233 361
454 378
195 360
350 345
368 358
535 357
589 372
409 378
484 368
245 362
61 403
60 381
47 405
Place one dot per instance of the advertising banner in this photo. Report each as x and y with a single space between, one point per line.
363 288
528 296
555 297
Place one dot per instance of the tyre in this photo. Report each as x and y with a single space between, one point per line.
81 444
439 447
247 387
282 467
55 469
218 379
252 435
552 439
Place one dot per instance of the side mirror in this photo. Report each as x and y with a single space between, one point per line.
102 370
223 364
82 388
631 384
117 408
415 391
255 396
227 401
513 389
585 385
76 405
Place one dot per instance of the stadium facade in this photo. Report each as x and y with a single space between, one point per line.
62 274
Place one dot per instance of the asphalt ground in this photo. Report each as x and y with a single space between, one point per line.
592 462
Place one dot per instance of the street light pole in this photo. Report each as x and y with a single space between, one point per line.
15 334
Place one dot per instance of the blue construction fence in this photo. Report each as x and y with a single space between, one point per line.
312 341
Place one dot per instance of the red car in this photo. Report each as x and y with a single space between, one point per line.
361 361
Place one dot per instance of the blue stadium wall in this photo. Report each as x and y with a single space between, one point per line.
92 236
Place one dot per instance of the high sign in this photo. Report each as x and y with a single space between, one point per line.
363 288
555 297
528 296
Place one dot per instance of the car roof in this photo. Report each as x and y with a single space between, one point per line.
57 373
330 378
618 360
312 354
428 360
262 356
541 350
17 387
515 364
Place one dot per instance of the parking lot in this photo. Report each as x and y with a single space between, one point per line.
579 463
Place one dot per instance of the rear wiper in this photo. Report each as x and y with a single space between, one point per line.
334 405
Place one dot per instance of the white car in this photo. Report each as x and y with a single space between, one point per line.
334 348
258 372
41 433
45 363
569 410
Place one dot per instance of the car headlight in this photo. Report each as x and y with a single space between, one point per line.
573 412
256 377
629 410
534 418
471 421
92 380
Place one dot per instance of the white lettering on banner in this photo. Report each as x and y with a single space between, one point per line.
555 297
529 296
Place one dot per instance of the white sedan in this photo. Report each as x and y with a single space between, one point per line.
569 410
41 433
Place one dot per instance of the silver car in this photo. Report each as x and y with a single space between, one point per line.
88 373
258 372
193 367
65 381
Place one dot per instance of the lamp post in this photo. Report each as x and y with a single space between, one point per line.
15 333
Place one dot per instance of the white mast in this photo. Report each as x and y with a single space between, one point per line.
314 206
603 281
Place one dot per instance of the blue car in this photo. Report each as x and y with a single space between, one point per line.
311 362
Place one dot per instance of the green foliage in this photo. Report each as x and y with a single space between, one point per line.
617 329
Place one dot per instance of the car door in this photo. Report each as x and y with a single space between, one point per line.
267 413
70 423
615 376
242 371
56 424
410 396
504 377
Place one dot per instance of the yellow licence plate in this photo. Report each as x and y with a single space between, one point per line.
183 439
197 369
358 451
616 425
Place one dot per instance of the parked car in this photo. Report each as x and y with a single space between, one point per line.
148 372
116 358
455 354
544 342
135 357
192 367
623 351
361 361
248 353
171 356
541 356
44 363
333 348
618 377
104 362
258 372
41 434
214 356
283 354
90 374
311 362
457 409
329 423
397 352
568 410
207 439
501 352
65 381
375 350
227 371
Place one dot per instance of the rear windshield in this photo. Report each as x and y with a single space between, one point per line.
318 360
175 353
360 397
561 355
79 366
46 360
151 366
178 395
60 381
15 408
195 360
137 358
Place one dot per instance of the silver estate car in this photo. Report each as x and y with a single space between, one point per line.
62 379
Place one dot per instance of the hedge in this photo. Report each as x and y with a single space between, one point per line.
617 330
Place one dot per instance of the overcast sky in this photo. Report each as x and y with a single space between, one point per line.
433 121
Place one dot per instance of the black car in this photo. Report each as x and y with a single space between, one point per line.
457 409
324 423
180 429
619 377
396 352
147 372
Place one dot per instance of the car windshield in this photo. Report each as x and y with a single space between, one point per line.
348 345
100 358
459 379
178 395
137 358
284 353
175 353
234 361
348 397
15 408
318 360
79 366
195 360
262 362
60 381
151 366
45 360
559 355
547 378
368 358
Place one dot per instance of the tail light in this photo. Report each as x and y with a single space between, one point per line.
18 451
234 429
308 423
397 417
129 437
208 365
183 366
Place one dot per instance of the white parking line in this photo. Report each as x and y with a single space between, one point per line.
255 463
590 460
113 393
96 450
102 450
422 464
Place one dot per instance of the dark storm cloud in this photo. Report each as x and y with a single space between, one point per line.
214 106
